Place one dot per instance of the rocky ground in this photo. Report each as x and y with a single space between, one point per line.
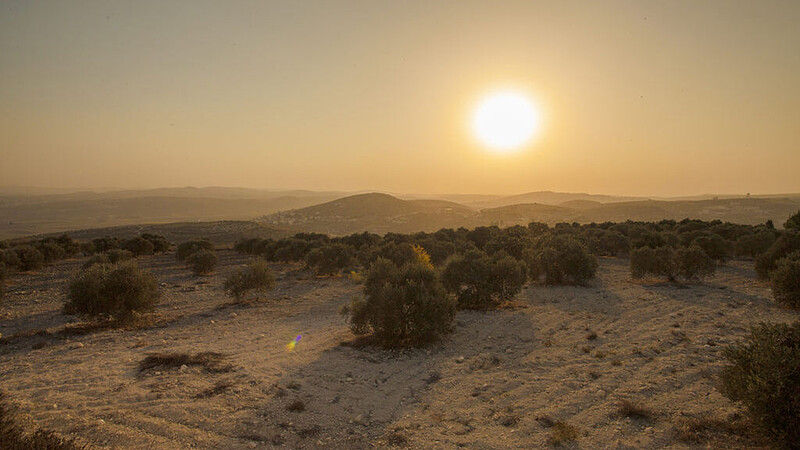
551 368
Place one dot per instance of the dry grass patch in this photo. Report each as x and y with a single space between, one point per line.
562 433
627 408
296 406
219 388
717 432
18 434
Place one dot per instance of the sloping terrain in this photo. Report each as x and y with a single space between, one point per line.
224 232
750 211
547 198
27 215
378 213
500 380
381 213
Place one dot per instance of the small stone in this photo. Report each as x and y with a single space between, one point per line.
213 321
234 314
460 359
183 368
251 445
101 422
78 345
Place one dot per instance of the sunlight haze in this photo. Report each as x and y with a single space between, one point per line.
636 97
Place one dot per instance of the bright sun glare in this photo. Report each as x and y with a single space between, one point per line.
505 121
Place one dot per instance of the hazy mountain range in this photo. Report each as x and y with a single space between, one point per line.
29 211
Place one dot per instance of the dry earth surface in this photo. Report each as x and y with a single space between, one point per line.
500 380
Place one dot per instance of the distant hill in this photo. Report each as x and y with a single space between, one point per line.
524 214
379 213
44 214
546 198
738 210
29 212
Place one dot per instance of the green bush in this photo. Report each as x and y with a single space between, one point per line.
786 243
292 249
653 261
29 258
139 246
116 255
561 259
104 244
257 276
203 262
330 259
187 248
399 253
10 259
51 252
480 282
118 291
754 244
403 307
160 243
763 373
715 246
100 258
793 223
693 263
786 281
2 280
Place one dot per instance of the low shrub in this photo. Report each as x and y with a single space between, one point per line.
480 282
117 291
100 258
715 246
562 259
330 259
51 252
403 306
160 243
399 253
257 276
754 244
29 258
203 262
2 280
653 261
786 281
793 223
763 373
10 259
291 249
693 263
187 248
139 246
116 255
105 244
786 243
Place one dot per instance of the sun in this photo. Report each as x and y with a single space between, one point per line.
505 121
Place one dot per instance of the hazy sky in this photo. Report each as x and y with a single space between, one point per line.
637 97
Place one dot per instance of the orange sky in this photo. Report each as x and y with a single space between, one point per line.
638 97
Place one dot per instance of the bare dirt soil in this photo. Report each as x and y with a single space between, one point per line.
503 379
